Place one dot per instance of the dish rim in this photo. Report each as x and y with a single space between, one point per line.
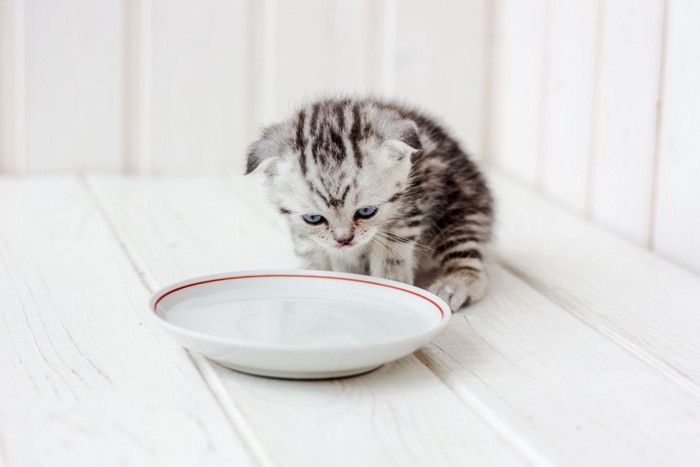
163 292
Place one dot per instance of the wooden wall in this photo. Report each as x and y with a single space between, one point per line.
593 103
596 105
154 86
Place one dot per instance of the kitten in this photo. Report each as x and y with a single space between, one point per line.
372 187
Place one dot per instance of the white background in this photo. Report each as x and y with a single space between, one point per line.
594 103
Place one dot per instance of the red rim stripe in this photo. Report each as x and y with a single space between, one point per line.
254 276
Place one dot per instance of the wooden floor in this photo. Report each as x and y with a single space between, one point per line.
586 352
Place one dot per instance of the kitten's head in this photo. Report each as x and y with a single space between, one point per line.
338 170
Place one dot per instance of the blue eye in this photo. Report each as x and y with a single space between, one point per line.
312 218
366 212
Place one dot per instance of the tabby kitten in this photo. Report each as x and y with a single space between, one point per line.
376 188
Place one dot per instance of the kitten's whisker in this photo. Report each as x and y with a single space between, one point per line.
377 241
417 243
420 247
383 243
283 255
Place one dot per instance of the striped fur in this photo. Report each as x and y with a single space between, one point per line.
336 156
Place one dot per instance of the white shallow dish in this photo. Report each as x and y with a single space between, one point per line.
299 324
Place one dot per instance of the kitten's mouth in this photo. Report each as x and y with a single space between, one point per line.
345 246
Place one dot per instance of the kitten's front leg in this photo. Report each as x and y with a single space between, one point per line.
354 262
394 260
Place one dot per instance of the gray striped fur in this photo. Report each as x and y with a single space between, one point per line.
335 156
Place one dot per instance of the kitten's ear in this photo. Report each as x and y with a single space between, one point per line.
263 152
402 138
400 135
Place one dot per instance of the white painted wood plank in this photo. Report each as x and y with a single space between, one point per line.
74 84
11 86
401 414
568 102
198 85
85 380
635 297
569 392
625 127
518 74
440 63
677 223
322 47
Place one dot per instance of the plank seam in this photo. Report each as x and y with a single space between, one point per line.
651 234
487 86
233 413
204 366
665 368
261 61
488 416
137 157
595 109
543 114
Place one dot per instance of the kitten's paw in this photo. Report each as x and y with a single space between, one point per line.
459 290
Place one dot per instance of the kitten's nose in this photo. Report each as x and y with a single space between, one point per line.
345 241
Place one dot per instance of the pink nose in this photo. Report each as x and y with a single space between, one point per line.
345 241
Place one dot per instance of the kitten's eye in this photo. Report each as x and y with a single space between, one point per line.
366 212
312 218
